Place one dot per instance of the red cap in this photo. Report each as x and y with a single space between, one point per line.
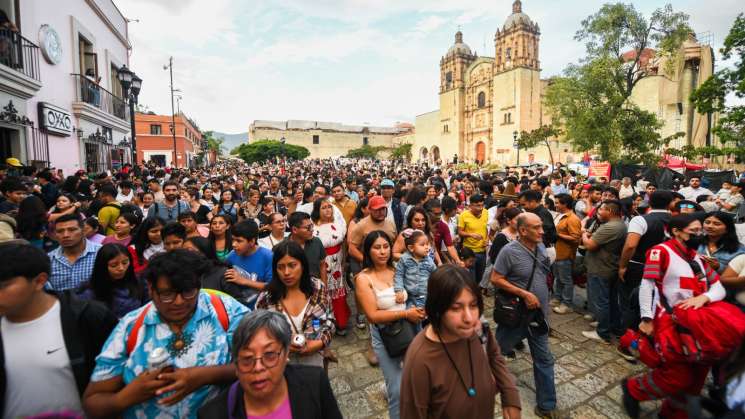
376 202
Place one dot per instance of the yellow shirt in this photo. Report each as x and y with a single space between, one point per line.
107 216
469 223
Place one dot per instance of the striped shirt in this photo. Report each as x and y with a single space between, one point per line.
66 275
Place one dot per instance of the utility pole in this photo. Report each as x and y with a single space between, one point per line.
173 112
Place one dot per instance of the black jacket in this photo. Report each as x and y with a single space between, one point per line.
398 215
549 229
85 327
309 391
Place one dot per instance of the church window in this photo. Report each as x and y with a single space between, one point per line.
445 128
509 53
364 141
482 99
316 139
448 79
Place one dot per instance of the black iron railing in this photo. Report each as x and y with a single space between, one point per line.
19 53
92 93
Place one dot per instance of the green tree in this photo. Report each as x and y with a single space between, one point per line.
401 152
366 152
540 136
592 99
711 96
263 150
213 143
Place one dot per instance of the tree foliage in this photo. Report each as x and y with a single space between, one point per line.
711 96
213 143
592 99
263 150
402 152
540 136
366 152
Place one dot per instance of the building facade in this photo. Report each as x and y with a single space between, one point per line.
155 140
326 139
61 99
485 102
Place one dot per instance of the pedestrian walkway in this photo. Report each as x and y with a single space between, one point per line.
588 374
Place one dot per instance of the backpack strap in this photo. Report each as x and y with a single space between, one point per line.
222 317
222 314
132 338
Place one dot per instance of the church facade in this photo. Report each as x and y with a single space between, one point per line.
485 102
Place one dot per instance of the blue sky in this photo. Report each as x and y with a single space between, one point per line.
350 61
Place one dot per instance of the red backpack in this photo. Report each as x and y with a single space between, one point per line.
222 316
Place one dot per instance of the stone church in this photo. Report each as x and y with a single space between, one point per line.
485 102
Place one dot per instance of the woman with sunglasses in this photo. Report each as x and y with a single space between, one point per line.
268 385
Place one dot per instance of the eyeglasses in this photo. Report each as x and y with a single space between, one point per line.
248 364
170 296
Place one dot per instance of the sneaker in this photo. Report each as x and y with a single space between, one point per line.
589 317
563 309
372 359
625 354
360 322
594 323
554 302
630 404
341 332
548 414
593 335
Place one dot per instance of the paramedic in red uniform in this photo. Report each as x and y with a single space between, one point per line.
668 271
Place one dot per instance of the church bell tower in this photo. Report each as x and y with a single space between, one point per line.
452 93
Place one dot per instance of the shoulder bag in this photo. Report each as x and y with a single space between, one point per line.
510 310
397 336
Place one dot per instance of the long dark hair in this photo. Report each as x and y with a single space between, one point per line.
419 210
205 247
358 214
367 262
315 215
276 289
101 282
32 217
729 240
140 240
228 234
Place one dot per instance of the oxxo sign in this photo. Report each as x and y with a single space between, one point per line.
54 119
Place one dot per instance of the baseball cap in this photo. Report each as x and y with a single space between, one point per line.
387 183
376 202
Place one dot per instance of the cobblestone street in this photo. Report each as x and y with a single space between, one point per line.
588 374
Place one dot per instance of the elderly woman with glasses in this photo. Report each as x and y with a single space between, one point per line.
268 385
189 328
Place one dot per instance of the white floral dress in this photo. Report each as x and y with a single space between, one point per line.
332 237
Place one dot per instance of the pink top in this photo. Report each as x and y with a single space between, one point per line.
282 412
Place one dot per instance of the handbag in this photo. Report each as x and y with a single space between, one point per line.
397 336
510 310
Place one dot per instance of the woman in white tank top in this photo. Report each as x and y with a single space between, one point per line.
375 297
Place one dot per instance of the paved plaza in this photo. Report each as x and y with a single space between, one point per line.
588 374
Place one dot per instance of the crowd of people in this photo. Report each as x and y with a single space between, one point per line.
217 292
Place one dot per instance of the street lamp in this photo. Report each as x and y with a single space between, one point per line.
131 85
516 145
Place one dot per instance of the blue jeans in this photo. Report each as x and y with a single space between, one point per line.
604 302
563 282
391 368
477 270
543 362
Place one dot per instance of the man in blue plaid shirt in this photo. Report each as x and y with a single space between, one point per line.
72 262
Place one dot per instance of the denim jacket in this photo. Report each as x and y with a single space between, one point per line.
412 276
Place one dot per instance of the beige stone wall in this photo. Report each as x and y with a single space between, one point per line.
330 144
428 136
451 124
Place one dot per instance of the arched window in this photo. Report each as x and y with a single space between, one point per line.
482 99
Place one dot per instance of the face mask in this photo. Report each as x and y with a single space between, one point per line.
694 241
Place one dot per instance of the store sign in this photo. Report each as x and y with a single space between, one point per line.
55 120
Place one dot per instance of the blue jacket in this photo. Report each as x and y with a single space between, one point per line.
398 214
413 276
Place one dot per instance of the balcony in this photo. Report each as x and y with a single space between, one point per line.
98 105
19 64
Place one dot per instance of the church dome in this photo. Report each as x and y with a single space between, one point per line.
459 47
517 17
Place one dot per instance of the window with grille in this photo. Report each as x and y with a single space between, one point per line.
156 129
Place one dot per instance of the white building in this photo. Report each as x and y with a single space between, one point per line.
52 115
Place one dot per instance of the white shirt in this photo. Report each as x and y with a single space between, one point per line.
625 191
269 242
308 209
691 194
37 367
638 224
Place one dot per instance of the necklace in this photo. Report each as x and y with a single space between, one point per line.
179 344
470 390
